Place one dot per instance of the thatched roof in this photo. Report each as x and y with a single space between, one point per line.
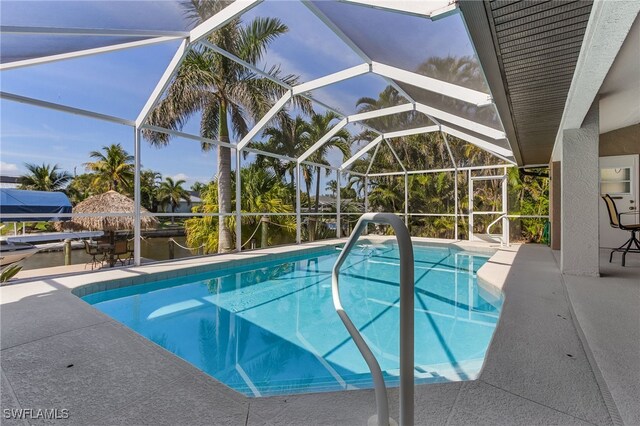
112 202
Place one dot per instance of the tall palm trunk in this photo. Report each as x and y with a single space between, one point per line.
264 228
225 240
311 224
315 222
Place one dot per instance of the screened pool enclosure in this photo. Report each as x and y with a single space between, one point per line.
397 70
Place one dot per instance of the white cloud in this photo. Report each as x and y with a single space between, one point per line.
8 169
180 176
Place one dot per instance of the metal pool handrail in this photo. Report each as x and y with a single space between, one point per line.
406 318
502 217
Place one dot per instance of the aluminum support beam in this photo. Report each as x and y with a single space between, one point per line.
409 132
244 63
339 184
360 153
107 32
222 18
373 158
366 194
459 121
433 9
395 154
455 184
269 154
137 199
238 202
505 206
82 53
493 149
406 200
332 78
264 120
449 169
187 136
380 112
438 86
64 108
322 166
163 83
298 207
470 208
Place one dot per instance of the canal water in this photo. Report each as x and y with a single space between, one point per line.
156 248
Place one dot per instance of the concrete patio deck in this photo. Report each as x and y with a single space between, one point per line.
608 311
59 352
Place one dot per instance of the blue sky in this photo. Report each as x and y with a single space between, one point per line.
119 83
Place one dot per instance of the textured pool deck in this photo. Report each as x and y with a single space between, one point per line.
59 352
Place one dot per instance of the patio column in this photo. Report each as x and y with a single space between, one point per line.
579 253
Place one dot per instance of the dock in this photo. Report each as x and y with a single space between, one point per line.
53 236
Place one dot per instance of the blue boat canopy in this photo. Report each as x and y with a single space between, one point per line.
17 201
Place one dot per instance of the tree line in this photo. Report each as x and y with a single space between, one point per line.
112 169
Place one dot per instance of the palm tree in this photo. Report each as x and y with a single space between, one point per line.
149 184
113 169
80 188
171 192
44 178
332 186
318 127
261 191
463 71
224 92
289 137
198 187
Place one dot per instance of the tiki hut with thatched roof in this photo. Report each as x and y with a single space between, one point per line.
112 202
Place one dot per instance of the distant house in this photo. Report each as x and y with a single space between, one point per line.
9 182
327 204
184 207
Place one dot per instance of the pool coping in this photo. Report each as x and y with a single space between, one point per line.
350 406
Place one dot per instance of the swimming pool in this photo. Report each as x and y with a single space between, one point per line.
270 328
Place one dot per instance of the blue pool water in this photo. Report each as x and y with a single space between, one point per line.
271 328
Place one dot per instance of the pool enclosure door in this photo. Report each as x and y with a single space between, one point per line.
618 178
498 215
